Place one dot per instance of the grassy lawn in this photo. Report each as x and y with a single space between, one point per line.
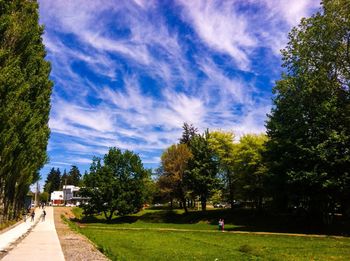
170 235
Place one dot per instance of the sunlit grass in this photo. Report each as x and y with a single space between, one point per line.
156 234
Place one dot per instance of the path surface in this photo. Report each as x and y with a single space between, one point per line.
41 243
75 246
10 236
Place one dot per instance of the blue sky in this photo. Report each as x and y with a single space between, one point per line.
129 73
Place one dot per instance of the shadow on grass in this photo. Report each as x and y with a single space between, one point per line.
242 219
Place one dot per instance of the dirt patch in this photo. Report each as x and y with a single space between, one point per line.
75 246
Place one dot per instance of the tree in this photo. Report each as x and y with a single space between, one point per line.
117 185
74 176
44 197
64 179
309 126
25 91
250 168
222 144
189 132
53 180
202 170
174 163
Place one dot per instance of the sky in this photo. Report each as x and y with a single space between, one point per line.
128 74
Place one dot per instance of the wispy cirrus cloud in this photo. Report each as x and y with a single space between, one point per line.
129 73
222 27
237 28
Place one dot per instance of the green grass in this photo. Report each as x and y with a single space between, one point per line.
7 224
171 235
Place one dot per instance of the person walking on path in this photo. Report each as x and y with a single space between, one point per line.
43 215
32 215
222 225
41 242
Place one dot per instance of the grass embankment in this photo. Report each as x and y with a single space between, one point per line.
170 235
8 224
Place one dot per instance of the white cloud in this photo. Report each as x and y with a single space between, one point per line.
222 27
99 119
291 11
152 79
226 27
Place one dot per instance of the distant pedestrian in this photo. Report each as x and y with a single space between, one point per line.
43 215
220 224
32 215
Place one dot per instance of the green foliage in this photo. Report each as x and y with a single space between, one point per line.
25 91
188 133
116 185
309 126
53 180
250 168
44 197
74 176
203 168
222 144
174 163
64 179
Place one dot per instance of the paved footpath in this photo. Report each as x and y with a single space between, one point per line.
10 236
41 243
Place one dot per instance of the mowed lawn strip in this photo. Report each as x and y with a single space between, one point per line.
190 245
171 235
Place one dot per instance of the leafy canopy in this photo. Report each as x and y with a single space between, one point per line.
116 185
309 126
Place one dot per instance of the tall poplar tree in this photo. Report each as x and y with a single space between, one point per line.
25 91
309 126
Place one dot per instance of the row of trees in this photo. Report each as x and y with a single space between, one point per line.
55 180
202 164
304 160
25 91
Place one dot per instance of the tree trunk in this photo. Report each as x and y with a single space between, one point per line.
230 189
105 213
204 203
110 215
185 205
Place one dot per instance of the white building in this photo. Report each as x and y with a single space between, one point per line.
69 195
57 198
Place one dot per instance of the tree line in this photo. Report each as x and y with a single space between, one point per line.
25 90
303 160
201 166
55 180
